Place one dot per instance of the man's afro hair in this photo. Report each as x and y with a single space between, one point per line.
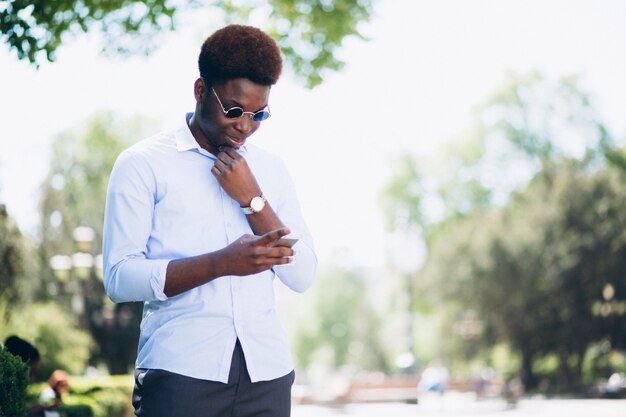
238 51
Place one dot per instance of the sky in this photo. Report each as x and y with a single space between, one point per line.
408 89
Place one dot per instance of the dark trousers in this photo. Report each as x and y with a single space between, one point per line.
160 393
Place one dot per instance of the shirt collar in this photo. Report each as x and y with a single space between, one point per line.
186 142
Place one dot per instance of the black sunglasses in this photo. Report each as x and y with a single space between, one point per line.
237 112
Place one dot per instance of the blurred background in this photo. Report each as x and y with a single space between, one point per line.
461 165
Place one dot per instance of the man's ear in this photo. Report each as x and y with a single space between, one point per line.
199 89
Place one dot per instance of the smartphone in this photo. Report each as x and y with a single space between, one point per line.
285 241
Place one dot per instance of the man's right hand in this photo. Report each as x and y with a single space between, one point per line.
252 254
245 256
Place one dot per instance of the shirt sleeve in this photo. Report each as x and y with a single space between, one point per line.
128 273
300 273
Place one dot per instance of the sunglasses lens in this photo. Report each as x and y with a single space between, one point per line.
261 115
234 112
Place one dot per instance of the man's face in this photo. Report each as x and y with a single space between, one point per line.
61 387
215 129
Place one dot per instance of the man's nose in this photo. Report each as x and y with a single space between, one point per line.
244 124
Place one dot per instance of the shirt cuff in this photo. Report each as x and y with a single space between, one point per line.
157 280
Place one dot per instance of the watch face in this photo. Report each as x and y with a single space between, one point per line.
257 204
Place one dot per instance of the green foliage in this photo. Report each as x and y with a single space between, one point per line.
544 122
13 382
308 32
99 402
524 219
35 28
601 361
534 269
74 191
17 267
77 410
532 124
11 262
73 194
402 199
338 324
617 158
55 334
103 396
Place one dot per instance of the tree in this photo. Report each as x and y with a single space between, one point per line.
308 32
18 267
527 126
73 195
74 191
535 269
10 255
505 239
338 327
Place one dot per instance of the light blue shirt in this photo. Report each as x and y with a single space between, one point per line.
163 203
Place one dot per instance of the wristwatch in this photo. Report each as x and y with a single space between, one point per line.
256 204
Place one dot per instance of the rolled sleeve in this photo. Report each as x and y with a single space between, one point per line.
137 280
128 273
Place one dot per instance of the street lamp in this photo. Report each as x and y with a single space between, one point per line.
609 306
407 253
62 266
73 271
112 326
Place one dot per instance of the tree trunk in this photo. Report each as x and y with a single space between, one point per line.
528 376
565 372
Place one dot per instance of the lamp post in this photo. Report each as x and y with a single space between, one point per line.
408 254
112 326
609 305
73 272
611 310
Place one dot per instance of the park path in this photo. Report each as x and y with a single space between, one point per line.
464 405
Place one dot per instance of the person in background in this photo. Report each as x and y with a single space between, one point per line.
52 396
434 378
25 351
30 356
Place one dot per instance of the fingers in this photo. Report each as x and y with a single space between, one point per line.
253 254
228 155
278 255
219 167
227 160
281 261
274 235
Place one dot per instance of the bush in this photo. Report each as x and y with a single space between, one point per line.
13 382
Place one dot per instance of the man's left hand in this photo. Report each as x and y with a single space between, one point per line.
233 173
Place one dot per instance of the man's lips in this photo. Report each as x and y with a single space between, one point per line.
236 142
